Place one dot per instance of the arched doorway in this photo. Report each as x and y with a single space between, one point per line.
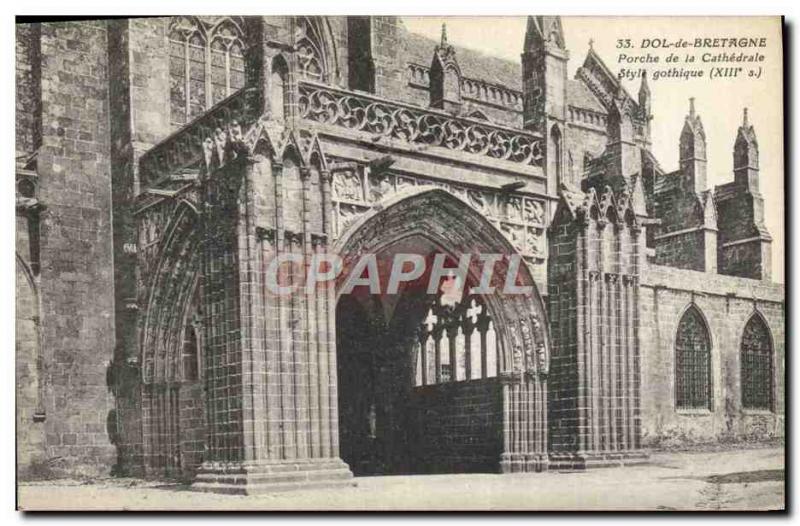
435 378
173 391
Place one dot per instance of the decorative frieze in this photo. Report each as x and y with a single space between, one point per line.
522 219
412 124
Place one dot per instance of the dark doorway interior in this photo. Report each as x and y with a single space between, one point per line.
417 383
374 387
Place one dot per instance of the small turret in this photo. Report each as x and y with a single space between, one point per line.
745 243
692 153
745 155
544 85
645 106
445 90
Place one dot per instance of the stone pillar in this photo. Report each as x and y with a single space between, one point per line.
264 418
524 423
595 395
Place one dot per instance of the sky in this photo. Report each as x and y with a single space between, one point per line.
719 102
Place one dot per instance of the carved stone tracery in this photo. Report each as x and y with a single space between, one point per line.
416 125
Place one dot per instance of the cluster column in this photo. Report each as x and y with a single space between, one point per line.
270 358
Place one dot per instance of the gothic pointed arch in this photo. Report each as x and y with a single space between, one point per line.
291 149
187 69
455 228
315 49
173 437
206 64
757 370
169 294
693 371
316 154
279 88
429 220
557 151
227 52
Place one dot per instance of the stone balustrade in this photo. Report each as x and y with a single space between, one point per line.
413 124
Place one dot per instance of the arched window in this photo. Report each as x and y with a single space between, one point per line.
227 63
756 364
310 54
277 89
190 354
555 134
693 362
190 350
206 64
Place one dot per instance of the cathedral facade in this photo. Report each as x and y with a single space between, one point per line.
164 163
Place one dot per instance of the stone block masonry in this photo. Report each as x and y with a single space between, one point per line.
163 162
76 261
726 305
458 426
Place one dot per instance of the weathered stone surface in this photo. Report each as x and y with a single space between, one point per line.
146 340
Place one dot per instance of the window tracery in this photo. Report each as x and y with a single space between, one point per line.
310 55
693 362
756 365
206 65
456 342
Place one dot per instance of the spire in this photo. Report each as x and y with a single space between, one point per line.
645 105
746 131
532 34
693 121
644 96
544 31
692 151
643 87
445 75
745 154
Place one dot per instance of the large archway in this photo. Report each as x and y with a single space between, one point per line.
173 401
439 379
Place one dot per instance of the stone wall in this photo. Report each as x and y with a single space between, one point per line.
28 89
93 96
563 310
458 426
686 249
77 266
727 304
745 246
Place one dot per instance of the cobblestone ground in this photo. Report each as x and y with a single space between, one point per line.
731 480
